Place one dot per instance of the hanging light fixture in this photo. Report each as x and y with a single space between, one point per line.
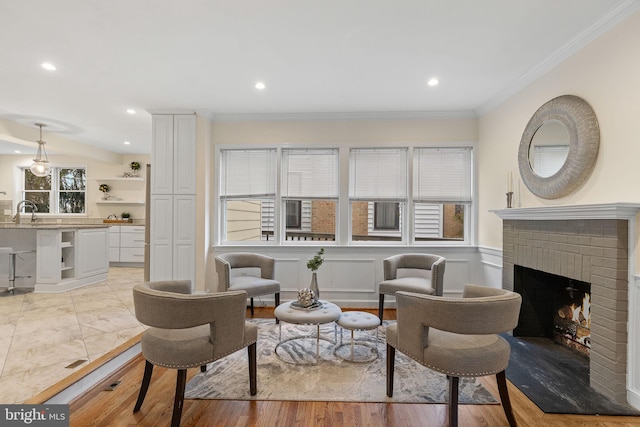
40 166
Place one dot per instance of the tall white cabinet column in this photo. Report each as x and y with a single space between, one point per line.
173 197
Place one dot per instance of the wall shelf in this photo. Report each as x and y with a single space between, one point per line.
120 178
120 202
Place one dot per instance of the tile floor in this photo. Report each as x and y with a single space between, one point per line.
40 334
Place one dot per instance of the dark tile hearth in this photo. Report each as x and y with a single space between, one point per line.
557 379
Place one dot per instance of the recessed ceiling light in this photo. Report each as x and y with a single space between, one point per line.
17 151
126 143
433 82
131 111
48 66
260 85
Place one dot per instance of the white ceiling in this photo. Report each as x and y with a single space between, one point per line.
351 57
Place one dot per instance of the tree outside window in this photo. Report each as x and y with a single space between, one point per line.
61 192
38 190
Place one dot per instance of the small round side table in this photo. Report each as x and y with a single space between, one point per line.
358 321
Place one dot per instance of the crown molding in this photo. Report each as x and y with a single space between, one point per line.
381 115
598 28
160 111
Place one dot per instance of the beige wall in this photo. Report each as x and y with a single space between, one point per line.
353 131
606 73
9 165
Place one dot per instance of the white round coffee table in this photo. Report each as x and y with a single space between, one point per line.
328 313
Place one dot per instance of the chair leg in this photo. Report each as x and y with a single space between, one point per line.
253 385
277 304
381 307
501 378
181 382
251 307
391 363
146 379
454 382
203 368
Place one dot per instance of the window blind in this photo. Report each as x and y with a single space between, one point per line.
248 173
378 174
442 175
310 173
548 159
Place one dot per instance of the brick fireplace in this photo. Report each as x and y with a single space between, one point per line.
593 247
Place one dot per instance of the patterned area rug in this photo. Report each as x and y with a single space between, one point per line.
331 378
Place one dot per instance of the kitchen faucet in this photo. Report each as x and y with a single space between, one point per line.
29 203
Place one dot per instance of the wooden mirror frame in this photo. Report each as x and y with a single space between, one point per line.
584 140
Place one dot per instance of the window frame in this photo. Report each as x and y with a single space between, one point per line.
343 218
54 191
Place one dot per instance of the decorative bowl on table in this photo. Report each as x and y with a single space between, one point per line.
307 300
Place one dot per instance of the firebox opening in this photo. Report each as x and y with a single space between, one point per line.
554 307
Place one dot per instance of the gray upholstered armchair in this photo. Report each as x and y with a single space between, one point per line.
457 337
418 273
253 285
189 330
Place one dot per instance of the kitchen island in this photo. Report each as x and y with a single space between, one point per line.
58 257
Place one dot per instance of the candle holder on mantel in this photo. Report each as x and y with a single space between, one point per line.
510 199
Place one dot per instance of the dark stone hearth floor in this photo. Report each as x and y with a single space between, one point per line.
556 379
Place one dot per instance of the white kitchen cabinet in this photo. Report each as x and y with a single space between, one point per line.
55 255
126 244
174 154
161 262
162 154
132 243
184 237
173 237
114 243
184 154
173 197
67 258
92 260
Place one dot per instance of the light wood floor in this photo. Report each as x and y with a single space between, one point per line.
114 408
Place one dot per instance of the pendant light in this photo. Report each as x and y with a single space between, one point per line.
40 166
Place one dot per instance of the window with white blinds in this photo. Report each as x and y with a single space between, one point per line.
378 174
310 173
247 173
395 195
442 175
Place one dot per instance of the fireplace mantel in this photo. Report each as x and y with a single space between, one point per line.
626 211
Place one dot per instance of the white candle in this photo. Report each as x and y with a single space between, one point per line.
509 182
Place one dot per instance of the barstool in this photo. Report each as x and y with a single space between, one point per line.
12 266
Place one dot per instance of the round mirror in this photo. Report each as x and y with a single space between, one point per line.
559 147
549 148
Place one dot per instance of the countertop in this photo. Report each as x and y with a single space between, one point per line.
29 226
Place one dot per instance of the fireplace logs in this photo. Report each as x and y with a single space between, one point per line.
572 323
